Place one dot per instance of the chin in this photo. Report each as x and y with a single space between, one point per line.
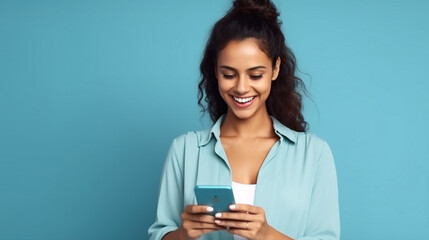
242 115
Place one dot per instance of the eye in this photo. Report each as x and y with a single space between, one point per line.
255 77
229 76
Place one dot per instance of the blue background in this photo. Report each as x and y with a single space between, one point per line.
93 92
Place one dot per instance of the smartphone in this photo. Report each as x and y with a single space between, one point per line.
217 196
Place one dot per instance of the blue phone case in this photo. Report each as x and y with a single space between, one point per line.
217 196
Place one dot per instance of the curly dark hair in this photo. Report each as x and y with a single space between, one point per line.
256 19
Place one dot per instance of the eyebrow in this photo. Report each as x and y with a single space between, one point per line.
250 69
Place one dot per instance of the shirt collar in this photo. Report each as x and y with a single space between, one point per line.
284 132
281 130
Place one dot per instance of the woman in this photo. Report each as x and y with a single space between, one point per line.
283 178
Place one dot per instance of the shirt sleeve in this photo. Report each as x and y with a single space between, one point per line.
170 200
323 222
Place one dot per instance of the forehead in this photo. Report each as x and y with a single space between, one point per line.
243 53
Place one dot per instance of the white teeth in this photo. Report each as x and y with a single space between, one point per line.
243 100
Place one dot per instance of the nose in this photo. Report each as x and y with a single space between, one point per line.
242 85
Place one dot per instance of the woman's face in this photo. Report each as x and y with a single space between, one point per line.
244 73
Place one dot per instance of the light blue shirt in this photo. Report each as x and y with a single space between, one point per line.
296 184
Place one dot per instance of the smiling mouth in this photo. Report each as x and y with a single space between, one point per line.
243 100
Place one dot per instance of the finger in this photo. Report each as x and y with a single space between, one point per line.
245 208
238 216
189 225
198 209
231 224
201 226
197 217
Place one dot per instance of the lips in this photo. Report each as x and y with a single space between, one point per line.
243 100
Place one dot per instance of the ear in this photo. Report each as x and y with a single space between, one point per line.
276 69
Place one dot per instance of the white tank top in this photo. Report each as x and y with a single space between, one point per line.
245 194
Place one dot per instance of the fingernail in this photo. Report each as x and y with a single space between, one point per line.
217 221
218 215
232 206
210 209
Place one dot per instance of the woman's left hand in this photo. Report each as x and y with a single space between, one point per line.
245 220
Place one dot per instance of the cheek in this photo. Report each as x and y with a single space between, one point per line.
222 90
264 86
223 86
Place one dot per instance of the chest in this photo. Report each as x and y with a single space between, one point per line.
246 157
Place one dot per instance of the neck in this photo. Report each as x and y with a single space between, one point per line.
256 126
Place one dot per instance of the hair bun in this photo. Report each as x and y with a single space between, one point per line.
264 8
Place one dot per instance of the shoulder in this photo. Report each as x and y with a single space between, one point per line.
185 147
310 139
311 145
302 141
192 139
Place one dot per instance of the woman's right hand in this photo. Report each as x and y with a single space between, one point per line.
195 222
